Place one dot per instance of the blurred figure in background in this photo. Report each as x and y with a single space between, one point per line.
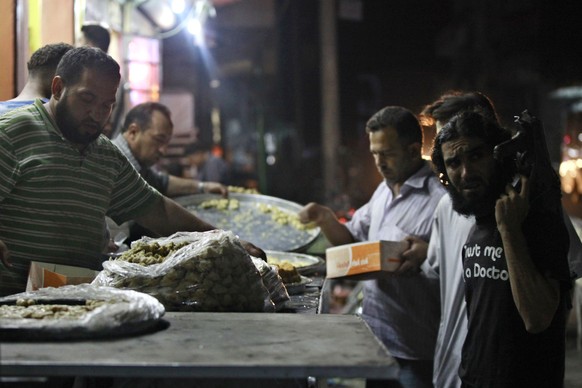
204 165
95 35
144 138
41 70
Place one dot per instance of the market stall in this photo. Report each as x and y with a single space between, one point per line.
291 346
216 345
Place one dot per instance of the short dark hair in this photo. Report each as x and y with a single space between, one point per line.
467 124
141 115
453 102
47 58
76 60
96 34
401 119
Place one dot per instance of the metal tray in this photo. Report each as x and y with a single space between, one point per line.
130 313
299 287
305 264
251 224
49 334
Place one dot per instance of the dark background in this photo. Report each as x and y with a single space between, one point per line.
397 52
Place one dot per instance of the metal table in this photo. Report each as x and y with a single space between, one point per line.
216 345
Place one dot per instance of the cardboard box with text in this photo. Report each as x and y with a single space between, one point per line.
364 260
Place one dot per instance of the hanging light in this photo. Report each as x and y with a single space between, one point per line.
178 6
197 31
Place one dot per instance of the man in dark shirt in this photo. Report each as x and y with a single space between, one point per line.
514 262
144 139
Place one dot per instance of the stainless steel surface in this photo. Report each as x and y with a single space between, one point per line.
216 345
298 287
305 264
251 224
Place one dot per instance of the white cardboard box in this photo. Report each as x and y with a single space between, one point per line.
364 260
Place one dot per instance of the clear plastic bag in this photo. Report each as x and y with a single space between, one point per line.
273 282
123 308
211 272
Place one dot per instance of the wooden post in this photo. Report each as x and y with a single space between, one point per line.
330 98
7 20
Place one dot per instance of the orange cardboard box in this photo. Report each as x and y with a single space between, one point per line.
364 260
56 275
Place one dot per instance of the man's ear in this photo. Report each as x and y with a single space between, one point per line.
57 87
132 131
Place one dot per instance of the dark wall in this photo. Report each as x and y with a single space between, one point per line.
399 52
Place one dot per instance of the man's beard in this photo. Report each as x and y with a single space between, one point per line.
69 126
484 204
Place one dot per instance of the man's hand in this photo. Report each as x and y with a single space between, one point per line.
254 250
4 255
314 212
512 208
322 216
413 257
215 188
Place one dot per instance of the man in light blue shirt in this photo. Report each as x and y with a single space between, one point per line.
402 311
41 70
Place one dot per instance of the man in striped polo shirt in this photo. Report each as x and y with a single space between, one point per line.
59 176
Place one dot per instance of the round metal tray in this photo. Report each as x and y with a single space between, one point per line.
299 287
129 313
305 264
251 224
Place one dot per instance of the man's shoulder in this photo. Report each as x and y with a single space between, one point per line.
118 141
22 118
434 185
104 142
446 215
120 144
426 179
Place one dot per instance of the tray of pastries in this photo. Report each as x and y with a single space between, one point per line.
268 222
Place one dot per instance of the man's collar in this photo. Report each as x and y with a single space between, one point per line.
418 179
123 145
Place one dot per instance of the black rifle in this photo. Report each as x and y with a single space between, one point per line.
529 151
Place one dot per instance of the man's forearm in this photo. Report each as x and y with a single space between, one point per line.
336 233
182 186
167 217
536 297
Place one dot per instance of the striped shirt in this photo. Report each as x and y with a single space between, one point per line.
53 198
159 180
402 311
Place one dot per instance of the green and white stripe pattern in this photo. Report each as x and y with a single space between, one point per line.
53 199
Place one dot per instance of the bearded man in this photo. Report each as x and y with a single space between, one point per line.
514 262
60 177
